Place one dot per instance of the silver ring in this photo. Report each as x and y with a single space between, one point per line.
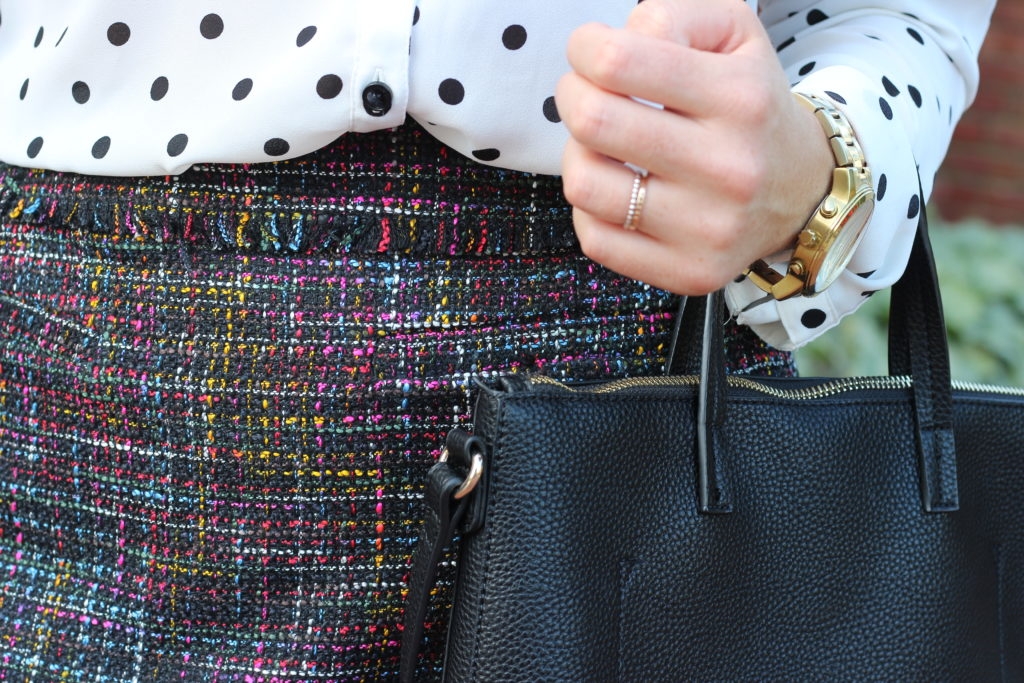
636 201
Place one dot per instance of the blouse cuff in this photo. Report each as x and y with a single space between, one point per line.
885 247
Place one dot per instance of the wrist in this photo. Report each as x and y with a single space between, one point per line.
827 239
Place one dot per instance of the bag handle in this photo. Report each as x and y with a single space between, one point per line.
917 348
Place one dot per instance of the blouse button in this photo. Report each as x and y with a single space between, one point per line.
377 99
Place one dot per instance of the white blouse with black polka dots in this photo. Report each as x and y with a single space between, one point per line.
141 87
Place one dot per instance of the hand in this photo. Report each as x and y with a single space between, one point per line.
735 164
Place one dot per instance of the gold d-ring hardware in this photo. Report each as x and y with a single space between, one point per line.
476 470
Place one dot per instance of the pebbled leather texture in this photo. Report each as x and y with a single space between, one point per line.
597 560
600 566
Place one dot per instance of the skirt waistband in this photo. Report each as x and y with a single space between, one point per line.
391 192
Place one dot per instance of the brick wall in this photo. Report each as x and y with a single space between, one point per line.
983 175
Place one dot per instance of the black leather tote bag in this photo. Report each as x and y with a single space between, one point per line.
698 527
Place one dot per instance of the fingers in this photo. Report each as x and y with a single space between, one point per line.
712 151
640 256
629 63
624 129
688 215
672 52
717 26
596 184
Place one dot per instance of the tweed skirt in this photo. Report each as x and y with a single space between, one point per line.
220 392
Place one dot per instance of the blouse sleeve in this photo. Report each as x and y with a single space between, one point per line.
903 72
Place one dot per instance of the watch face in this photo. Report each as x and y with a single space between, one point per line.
847 235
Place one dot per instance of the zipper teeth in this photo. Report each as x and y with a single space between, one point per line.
825 389
987 388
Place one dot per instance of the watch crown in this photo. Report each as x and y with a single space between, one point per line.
809 238
829 207
796 267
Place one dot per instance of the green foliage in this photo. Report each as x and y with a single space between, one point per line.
981 272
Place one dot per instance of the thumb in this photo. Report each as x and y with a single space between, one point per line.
714 26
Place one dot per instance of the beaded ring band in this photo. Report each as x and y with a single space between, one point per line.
636 202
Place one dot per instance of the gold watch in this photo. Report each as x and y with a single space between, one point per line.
826 244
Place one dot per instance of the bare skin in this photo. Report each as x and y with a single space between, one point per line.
735 164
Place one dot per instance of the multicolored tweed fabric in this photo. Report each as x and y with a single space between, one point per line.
220 392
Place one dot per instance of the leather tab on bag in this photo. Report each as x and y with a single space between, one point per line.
713 488
918 348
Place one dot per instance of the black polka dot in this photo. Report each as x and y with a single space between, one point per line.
80 91
813 318
159 88
867 295
24 90
866 274
890 87
915 95
816 16
551 110
513 37
914 207
34 147
101 147
883 184
784 44
451 91
276 147
883 104
329 86
806 69
118 33
241 89
177 144
416 16
489 154
836 96
915 35
211 26
61 39
305 35
39 39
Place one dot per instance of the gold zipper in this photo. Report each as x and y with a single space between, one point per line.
830 387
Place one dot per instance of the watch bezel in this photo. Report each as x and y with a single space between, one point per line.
818 273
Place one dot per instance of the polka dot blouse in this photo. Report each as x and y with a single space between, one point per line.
126 87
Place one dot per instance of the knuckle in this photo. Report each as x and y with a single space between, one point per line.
592 247
590 119
720 233
653 18
744 182
738 178
759 103
611 59
578 188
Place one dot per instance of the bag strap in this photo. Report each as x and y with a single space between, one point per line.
446 502
439 529
917 348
